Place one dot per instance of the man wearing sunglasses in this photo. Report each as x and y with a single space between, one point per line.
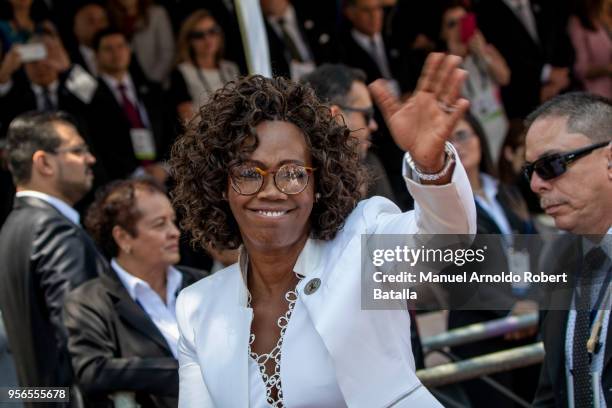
44 253
345 89
569 165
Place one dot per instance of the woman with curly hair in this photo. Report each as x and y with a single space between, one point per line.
267 168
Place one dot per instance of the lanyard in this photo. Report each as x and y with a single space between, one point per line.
600 296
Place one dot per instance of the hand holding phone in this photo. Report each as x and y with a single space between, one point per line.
32 52
467 27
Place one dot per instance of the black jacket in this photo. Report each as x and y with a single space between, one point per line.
526 58
110 129
43 256
115 346
318 38
552 388
21 98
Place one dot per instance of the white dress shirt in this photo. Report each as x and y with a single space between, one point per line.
162 314
598 358
378 53
61 206
293 29
39 93
492 206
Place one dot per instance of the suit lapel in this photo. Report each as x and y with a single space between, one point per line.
132 313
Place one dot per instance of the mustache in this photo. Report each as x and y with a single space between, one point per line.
550 201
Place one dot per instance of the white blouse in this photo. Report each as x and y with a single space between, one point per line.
307 373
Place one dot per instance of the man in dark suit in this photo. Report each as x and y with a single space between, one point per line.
364 46
531 35
576 128
127 121
297 43
123 334
89 19
44 253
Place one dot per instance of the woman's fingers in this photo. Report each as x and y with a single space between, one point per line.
432 64
451 89
443 74
459 109
386 101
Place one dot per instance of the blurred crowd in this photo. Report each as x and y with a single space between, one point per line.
132 73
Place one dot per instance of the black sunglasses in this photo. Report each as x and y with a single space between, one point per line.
200 34
368 113
554 165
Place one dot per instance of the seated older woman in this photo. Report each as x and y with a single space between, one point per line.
268 168
122 327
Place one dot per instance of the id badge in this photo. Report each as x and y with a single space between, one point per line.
519 263
299 69
143 143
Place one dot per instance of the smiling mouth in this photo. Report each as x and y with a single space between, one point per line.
270 213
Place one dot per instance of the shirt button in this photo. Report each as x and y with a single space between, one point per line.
312 286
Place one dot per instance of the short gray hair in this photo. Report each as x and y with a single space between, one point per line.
586 113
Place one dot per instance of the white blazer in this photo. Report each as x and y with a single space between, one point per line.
370 349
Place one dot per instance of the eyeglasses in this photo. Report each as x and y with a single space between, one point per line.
201 34
80 150
247 179
554 165
461 136
368 113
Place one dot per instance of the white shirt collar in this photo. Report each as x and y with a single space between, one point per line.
89 56
490 186
38 90
133 284
65 209
365 41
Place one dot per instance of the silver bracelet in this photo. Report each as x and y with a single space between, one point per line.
449 153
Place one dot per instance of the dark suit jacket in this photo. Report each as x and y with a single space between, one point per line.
110 129
552 387
318 38
21 98
353 55
43 256
524 56
115 346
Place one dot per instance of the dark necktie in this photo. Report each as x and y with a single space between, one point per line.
48 104
129 109
581 372
289 43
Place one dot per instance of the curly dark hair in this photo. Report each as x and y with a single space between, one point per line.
115 204
223 134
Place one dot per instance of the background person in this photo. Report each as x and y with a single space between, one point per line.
500 210
201 69
593 45
487 72
44 253
122 332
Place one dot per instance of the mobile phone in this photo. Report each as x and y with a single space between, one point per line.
32 52
468 27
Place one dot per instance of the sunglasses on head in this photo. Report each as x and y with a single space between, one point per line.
554 165
200 34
